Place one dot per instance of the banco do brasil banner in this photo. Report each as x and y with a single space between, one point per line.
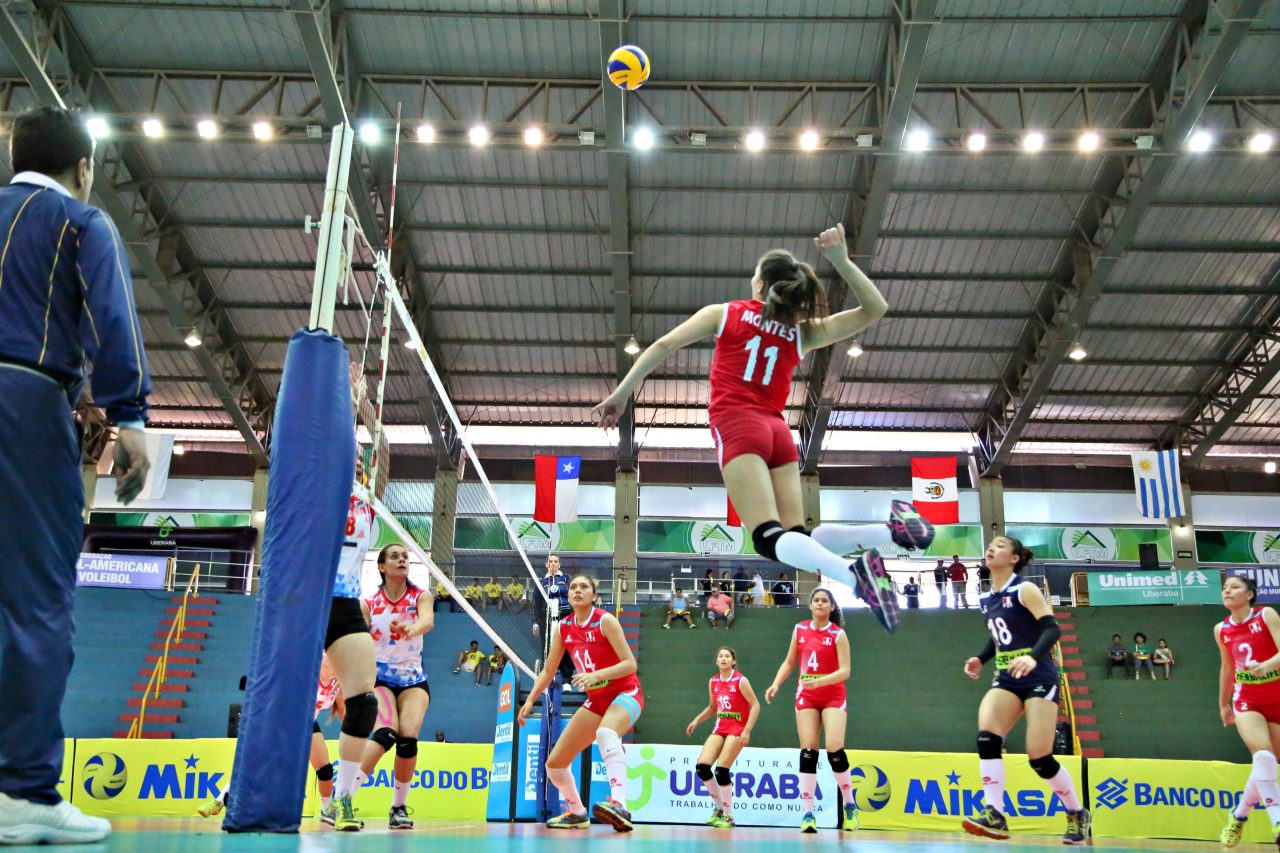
1260 547
1149 798
1175 586
1093 543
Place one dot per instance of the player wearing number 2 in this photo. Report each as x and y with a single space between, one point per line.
1022 635
759 342
606 672
1249 696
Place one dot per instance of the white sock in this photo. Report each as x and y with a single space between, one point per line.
726 799
615 765
401 796
796 549
346 783
1248 800
846 538
325 801
992 770
222 798
563 780
1264 777
845 786
713 788
1065 787
808 786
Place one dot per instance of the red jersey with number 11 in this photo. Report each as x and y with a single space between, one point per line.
1250 643
590 650
754 360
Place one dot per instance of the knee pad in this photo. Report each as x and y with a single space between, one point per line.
325 774
703 771
808 761
765 538
839 760
406 747
609 742
990 745
1046 766
362 713
384 737
1264 765
722 777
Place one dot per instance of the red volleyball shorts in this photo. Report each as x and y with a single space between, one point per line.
729 727
821 698
756 433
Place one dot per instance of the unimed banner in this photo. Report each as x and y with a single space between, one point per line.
1175 586
1148 798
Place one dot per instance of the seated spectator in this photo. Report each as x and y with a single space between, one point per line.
474 593
1163 656
1117 656
443 597
678 609
493 593
784 591
515 595
720 608
1142 657
469 659
494 663
440 736
912 592
756 596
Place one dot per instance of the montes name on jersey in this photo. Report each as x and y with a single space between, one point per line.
786 331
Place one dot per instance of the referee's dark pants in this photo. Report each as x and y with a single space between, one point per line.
41 502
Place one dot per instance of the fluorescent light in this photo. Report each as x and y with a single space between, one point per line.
179 449
586 137
977 141
1033 141
207 129
754 141
1077 352
533 136
98 127
1200 141
262 130
1269 467
426 134
632 346
479 135
153 128
918 140
1260 143
192 339
809 140
854 350
642 138
370 133
1089 141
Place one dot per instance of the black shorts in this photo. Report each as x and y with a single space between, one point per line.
315 727
397 689
345 618
1024 690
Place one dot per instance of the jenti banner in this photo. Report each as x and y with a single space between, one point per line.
129 571
485 533
1093 543
1268 582
167 521
1238 546
1144 798
709 538
1176 586
505 762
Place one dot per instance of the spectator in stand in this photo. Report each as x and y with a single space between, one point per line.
784 591
912 592
474 593
679 609
756 596
1142 657
940 580
1117 656
959 575
1163 656
984 579
469 659
720 607
741 585
708 580
440 736
515 593
493 665
443 597
493 594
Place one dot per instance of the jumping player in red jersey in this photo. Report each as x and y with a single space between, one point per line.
606 672
759 342
821 647
1249 696
734 705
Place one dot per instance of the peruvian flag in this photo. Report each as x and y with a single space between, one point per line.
933 489
555 480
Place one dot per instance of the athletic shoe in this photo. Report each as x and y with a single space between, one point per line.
25 822
209 808
611 811
850 817
716 814
569 820
724 821
345 818
666 627
1078 827
990 824
399 818
808 823
1233 831
908 529
329 813
872 585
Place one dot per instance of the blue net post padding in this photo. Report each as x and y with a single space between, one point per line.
313 456
548 795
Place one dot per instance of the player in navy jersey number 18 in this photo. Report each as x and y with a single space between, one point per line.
606 672
1022 633
1248 641
759 343
735 707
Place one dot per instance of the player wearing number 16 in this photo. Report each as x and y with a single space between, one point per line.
759 343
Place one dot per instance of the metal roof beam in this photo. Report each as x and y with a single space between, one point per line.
1198 57
162 252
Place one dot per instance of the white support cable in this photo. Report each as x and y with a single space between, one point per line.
384 355
324 293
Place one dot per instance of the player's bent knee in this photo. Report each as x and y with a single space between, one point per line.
722 777
1046 766
765 539
406 747
608 741
990 745
362 714
808 761
703 771
838 759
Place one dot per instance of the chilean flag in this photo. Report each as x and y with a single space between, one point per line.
933 489
555 480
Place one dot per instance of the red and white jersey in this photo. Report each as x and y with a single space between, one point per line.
590 650
327 689
730 704
1250 643
754 360
355 545
399 660
816 649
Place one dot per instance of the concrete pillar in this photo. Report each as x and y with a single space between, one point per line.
991 508
89 477
811 499
626 511
258 521
1183 532
444 512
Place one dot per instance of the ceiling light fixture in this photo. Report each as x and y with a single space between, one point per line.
809 140
977 141
1033 142
207 129
632 346
533 136
193 338
1089 141
1077 352
426 134
754 141
153 128
479 135
855 349
262 131
642 138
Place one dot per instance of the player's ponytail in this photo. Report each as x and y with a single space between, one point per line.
1022 552
792 291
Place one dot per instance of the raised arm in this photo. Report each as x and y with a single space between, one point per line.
825 331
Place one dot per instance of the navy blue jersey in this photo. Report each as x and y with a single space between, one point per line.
1014 629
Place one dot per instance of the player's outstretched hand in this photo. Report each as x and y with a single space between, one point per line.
832 242
770 693
973 668
608 411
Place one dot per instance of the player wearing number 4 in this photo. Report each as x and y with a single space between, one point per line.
759 343
1022 635
606 672
734 705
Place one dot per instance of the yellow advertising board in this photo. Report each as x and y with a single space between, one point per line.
1150 798
171 778
68 768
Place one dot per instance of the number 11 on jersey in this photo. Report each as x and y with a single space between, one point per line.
770 354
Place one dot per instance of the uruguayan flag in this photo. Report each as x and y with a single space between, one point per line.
1158 482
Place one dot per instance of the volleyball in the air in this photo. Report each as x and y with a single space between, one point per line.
628 67
104 775
870 787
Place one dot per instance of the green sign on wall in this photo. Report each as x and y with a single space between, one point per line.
170 519
708 538
1239 546
1094 543
1172 587
486 533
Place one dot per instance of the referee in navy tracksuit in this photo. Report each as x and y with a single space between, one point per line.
66 299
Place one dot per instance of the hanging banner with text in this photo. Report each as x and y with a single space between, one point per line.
1176 586
485 533
1261 547
127 571
1268 582
1093 543
708 538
